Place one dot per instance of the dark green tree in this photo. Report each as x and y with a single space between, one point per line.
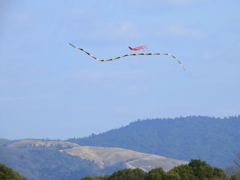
88 178
201 169
106 177
184 171
156 174
170 175
128 174
7 173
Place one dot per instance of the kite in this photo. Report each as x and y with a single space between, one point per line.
103 60
143 47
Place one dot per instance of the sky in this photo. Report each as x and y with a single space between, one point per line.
48 89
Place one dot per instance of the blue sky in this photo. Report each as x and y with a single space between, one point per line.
50 90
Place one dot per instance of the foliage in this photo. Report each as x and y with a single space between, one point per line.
195 170
155 174
128 174
236 175
171 176
185 172
219 173
234 170
201 169
181 138
7 173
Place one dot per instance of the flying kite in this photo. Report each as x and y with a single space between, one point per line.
143 47
103 60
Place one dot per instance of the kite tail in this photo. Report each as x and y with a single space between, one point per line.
72 45
137 54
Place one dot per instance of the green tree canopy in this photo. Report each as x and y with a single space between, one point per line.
184 171
156 174
7 173
170 175
201 169
128 174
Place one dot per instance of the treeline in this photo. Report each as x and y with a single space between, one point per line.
195 170
194 137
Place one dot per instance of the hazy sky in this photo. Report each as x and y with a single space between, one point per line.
48 89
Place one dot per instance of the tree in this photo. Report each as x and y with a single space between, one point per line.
237 175
7 173
88 178
237 160
156 174
170 175
219 174
184 171
128 174
96 178
201 169
231 170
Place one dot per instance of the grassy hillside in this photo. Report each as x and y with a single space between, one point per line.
46 159
110 157
213 140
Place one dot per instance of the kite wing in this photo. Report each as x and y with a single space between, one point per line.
143 47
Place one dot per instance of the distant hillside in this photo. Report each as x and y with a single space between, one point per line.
213 140
45 159
107 158
38 162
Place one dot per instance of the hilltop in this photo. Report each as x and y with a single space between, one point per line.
214 140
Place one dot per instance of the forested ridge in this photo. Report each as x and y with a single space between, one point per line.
214 140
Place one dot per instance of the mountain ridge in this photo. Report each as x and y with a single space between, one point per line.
214 140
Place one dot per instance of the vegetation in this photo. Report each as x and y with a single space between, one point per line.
37 163
213 140
45 159
234 170
7 173
195 170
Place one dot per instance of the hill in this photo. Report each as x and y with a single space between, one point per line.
39 160
110 157
214 140
45 159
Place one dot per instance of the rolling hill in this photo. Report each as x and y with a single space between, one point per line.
45 159
214 140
